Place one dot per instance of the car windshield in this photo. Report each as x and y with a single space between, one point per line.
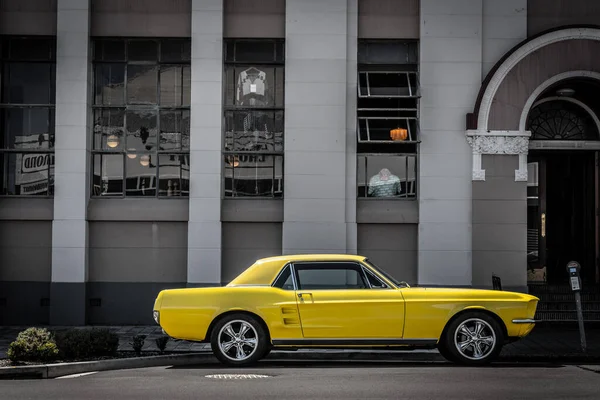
382 272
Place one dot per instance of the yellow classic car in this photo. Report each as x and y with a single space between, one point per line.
341 301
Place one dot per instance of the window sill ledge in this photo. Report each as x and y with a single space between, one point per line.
387 211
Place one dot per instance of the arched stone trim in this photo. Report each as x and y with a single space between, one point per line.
484 141
520 54
512 57
532 100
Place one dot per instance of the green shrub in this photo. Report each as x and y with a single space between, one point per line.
104 342
138 343
85 343
33 344
161 343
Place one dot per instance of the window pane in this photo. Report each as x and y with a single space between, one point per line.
142 84
108 175
255 86
187 85
174 130
109 85
387 52
27 174
141 129
253 51
32 49
109 129
142 50
380 129
141 175
386 84
175 50
284 281
28 83
27 128
326 277
387 176
253 175
109 50
374 281
174 175
171 85
254 131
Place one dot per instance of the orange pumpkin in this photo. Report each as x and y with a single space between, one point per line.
399 134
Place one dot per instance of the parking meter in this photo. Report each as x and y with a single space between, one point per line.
574 269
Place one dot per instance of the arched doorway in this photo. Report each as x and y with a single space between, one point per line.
562 187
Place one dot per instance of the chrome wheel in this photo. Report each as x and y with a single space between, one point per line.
238 340
475 339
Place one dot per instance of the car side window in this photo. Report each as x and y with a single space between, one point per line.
375 282
284 280
330 276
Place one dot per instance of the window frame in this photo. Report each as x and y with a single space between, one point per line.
6 59
291 267
156 108
230 157
402 106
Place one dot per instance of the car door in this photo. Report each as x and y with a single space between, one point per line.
336 300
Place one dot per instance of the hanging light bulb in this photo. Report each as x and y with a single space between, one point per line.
112 141
145 160
131 154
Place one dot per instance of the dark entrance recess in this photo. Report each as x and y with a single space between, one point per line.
561 215
563 184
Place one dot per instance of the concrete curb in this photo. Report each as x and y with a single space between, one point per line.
46 371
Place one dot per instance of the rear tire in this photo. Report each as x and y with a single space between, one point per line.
474 338
239 340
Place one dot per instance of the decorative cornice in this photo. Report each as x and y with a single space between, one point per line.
499 142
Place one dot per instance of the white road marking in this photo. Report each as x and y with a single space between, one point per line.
76 375
237 376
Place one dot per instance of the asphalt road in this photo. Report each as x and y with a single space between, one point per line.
315 380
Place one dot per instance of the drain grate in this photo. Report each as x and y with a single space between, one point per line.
237 376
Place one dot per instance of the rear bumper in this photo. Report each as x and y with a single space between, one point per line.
524 321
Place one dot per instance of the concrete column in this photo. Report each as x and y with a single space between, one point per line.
351 79
315 126
204 227
451 62
72 165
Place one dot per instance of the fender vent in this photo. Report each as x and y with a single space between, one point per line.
290 316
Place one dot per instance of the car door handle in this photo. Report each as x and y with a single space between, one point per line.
301 296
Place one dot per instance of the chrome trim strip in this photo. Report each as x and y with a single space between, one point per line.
293 273
352 342
523 321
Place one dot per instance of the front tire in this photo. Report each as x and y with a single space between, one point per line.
239 340
473 338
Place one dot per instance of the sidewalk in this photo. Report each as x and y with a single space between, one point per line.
547 341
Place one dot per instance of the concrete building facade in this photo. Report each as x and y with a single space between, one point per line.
154 144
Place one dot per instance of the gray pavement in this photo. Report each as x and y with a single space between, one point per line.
547 340
319 380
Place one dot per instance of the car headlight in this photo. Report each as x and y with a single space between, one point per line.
156 316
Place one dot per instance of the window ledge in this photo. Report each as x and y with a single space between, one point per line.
387 211
252 210
26 208
136 209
